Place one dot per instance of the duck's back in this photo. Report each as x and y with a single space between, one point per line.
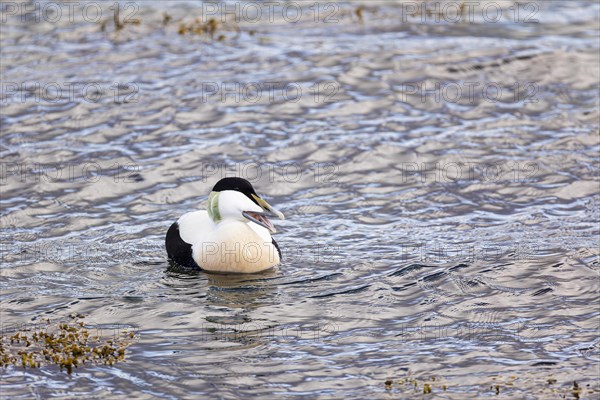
188 230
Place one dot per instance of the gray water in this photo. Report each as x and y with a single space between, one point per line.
447 234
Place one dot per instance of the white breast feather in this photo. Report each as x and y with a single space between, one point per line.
229 246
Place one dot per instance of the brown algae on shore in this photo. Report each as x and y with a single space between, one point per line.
66 344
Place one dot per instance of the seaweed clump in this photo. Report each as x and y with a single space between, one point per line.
66 344
410 383
210 28
513 385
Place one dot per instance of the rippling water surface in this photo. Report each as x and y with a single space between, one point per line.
440 182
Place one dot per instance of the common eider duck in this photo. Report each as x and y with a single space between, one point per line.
232 236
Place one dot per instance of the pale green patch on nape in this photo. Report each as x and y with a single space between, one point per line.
213 206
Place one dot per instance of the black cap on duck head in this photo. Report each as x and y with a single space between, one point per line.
238 184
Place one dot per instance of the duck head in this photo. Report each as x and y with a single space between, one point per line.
235 198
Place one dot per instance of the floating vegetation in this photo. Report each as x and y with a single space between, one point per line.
412 384
66 344
426 388
359 13
508 386
199 28
119 23
576 391
217 26
166 18
210 28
